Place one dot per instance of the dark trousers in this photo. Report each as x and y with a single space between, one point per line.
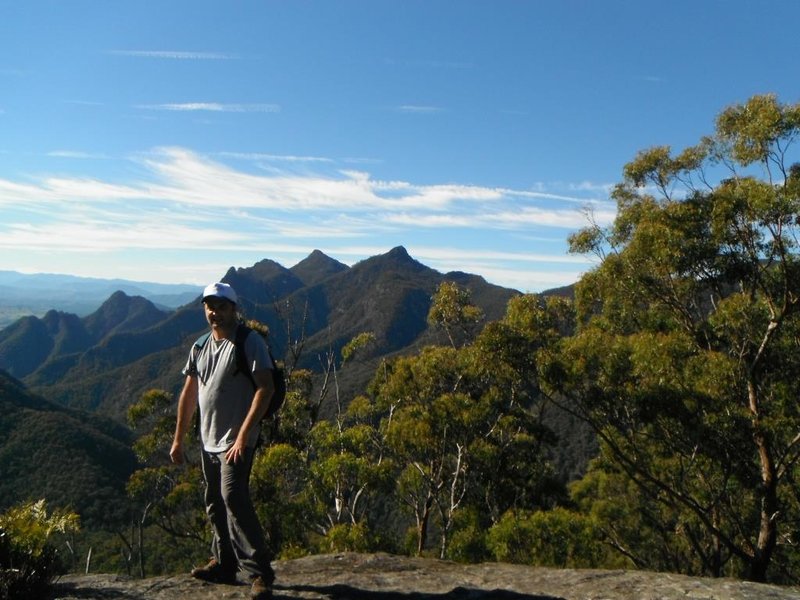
238 537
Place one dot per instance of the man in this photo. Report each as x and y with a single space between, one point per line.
230 414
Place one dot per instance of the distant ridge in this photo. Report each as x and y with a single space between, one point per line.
25 295
32 343
105 360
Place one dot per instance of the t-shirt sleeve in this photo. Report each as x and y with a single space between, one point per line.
191 363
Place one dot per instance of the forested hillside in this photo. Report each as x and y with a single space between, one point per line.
73 459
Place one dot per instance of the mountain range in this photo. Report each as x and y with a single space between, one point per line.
34 294
105 360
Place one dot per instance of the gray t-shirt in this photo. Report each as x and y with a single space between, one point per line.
225 396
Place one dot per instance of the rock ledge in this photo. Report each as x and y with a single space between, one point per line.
353 576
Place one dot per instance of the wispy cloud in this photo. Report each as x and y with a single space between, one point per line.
77 154
522 218
590 186
181 197
450 254
212 107
176 54
258 156
184 177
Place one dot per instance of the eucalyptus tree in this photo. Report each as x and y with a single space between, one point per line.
687 356
452 311
462 429
316 480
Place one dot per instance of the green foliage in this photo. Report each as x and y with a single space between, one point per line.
468 540
277 486
358 342
462 427
453 311
152 414
554 538
29 561
756 129
686 354
347 537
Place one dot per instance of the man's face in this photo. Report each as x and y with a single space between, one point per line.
220 313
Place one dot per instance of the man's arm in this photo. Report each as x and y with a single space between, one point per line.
265 389
187 404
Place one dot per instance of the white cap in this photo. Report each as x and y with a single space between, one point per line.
220 290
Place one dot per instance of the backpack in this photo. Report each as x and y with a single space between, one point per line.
278 372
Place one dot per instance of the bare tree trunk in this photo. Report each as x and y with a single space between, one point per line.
422 527
768 530
141 540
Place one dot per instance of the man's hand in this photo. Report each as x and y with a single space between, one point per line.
176 453
236 452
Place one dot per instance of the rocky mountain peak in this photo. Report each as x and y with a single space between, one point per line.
316 267
397 260
122 312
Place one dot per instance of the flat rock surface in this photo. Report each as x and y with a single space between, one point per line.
387 577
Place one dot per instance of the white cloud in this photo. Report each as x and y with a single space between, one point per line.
518 219
106 236
212 107
183 178
258 156
539 217
589 186
525 280
78 154
449 255
183 203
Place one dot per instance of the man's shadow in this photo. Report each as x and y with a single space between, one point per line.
346 592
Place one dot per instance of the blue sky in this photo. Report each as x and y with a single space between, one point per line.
169 140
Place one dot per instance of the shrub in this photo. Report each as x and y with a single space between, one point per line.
29 562
468 540
554 538
347 538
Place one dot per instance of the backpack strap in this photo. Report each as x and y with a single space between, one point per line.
242 331
201 341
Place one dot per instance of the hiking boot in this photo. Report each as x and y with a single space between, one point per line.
261 588
214 573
